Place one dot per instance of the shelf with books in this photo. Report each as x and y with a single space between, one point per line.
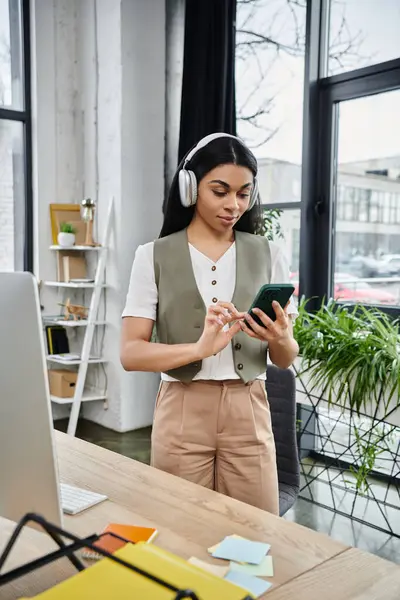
77 272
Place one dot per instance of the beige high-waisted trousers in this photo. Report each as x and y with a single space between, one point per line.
218 434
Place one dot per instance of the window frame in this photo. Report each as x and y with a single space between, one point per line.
322 96
24 116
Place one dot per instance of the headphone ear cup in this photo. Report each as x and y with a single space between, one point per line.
187 188
193 188
184 188
254 195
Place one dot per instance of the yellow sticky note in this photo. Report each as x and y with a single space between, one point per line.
264 569
214 569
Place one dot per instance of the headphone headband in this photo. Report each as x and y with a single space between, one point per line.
206 140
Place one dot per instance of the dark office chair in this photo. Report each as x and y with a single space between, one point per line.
281 390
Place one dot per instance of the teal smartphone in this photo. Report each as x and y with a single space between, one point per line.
281 292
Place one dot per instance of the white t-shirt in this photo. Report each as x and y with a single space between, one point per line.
142 297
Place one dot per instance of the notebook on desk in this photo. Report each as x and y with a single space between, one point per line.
107 579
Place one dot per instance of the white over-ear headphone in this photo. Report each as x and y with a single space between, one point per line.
188 181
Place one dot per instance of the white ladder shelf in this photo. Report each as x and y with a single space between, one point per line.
98 287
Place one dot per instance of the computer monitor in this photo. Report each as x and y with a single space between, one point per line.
28 468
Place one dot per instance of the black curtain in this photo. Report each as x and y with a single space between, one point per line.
208 84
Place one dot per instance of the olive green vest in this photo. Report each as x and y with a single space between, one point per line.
181 310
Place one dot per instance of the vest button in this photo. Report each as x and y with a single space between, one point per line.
240 366
215 300
214 268
238 346
213 282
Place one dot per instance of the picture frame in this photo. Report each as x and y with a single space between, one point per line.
67 213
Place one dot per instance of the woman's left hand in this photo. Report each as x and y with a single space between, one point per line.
278 330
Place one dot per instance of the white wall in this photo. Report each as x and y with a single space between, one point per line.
143 117
55 168
99 106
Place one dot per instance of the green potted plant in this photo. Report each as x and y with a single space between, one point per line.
350 355
66 235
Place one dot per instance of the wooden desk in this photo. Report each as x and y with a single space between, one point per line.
352 575
189 518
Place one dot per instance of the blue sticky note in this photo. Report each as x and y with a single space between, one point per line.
241 550
254 585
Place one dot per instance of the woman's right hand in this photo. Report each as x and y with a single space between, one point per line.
222 322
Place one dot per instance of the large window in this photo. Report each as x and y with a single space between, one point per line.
318 91
350 216
15 130
270 56
362 33
367 258
270 46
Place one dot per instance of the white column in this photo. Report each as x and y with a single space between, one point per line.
143 126
136 118
103 152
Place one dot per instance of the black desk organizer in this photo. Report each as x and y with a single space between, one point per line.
68 550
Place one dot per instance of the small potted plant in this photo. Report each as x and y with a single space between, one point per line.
66 236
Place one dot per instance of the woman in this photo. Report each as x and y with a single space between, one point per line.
212 421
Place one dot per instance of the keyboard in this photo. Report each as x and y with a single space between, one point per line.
74 500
